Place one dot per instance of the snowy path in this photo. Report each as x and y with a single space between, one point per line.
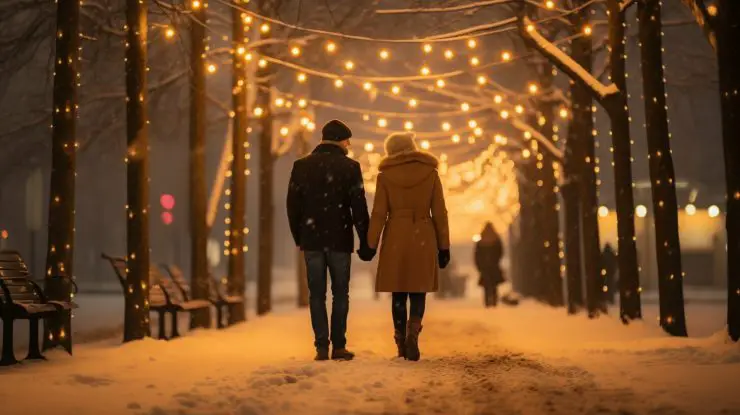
524 360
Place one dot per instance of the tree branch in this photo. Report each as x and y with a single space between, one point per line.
703 19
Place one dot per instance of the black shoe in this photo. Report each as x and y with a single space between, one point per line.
342 354
322 354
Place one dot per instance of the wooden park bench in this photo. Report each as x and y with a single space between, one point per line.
21 298
164 297
216 293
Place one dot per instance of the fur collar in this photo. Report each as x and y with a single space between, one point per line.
406 157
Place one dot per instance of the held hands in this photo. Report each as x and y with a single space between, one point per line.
443 256
366 253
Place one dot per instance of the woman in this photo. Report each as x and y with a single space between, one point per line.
410 213
488 253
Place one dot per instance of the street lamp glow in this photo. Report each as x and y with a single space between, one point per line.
690 209
603 211
713 211
641 211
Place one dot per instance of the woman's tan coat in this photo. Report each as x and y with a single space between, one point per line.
410 213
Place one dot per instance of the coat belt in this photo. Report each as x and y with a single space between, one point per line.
409 213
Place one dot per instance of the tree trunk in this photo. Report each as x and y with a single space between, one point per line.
59 259
729 83
629 277
531 244
236 278
552 283
662 175
302 272
266 208
198 227
580 196
136 314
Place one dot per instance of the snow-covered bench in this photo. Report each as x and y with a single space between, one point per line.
21 298
164 297
216 293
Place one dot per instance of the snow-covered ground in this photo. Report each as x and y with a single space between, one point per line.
529 359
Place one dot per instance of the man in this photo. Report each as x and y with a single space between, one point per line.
326 198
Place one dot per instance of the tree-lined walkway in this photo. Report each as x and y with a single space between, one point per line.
524 360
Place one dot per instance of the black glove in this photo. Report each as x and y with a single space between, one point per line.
366 253
443 256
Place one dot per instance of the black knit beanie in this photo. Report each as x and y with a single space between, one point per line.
335 130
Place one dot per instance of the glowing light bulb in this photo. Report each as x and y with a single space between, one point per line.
504 114
550 4
248 57
446 126
471 140
425 145
311 126
295 51
440 83
349 65
476 238
302 103
305 121
472 43
465 106
384 54
265 28
211 68
425 70
519 109
712 10
246 18
472 123
408 125
474 61
258 111
587 30
382 122
456 138
713 211
369 147
413 103
690 209
338 83
262 63
478 131
526 153
482 80
427 48
240 50
195 4
506 56
449 54
301 77
284 131
533 88
498 99
603 211
331 47
395 89
279 102
170 33
367 86
641 211
563 113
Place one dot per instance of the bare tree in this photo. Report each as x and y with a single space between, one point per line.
136 317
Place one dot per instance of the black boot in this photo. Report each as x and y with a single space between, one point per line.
322 353
400 338
342 354
413 328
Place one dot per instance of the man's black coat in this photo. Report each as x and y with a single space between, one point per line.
326 197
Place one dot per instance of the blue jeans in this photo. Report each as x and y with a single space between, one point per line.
338 264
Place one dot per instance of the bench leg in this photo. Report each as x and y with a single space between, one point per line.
162 315
220 315
34 353
8 358
175 329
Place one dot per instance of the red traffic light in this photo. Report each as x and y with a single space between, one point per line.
167 218
167 201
